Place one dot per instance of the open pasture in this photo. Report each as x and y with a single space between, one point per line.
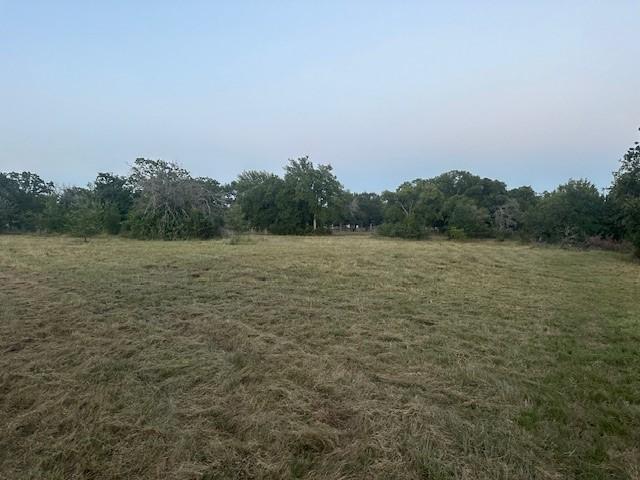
318 358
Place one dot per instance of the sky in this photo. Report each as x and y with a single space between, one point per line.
529 92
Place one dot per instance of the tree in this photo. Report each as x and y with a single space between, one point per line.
160 199
488 194
465 215
366 209
507 218
343 210
170 204
8 208
115 196
85 220
235 220
54 215
111 218
257 195
314 190
571 213
455 182
412 209
22 199
525 196
625 196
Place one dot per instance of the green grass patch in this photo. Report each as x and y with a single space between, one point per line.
316 357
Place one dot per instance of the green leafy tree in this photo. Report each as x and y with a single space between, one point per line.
366 209
313 190
342 211
115 194
624 195
466 216
412 210
7 206
487 193
235 220
23 196
571 213
54 215
525 196
257 194
111 218
455 182
85 219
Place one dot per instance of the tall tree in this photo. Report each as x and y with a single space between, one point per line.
315 189
455 182
412 209
366 209
114 194
85 220
625 195
257 195
570 213
23 196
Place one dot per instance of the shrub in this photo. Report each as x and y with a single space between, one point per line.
237 239
111 218
403 230
605 243
85 220
455 233
172 205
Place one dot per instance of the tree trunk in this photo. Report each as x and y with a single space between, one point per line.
315 225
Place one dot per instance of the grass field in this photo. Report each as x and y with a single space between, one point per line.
319 358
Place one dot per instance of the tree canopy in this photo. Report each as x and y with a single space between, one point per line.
160 199
625 196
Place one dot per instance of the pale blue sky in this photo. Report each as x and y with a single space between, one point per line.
527 92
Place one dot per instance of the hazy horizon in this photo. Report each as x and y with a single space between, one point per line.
528 94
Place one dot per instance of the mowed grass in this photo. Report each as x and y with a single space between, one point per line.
318 358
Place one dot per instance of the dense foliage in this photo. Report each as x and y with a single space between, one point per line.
161 200
171 204
624 197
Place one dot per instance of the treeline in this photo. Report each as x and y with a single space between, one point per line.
161 200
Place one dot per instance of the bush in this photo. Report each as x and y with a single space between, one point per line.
182 226
502 235
290 229
403 230
237 239
570 238
455 233
111 219
85 220
171 205
605 243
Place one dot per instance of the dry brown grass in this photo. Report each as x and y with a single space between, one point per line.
317 358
